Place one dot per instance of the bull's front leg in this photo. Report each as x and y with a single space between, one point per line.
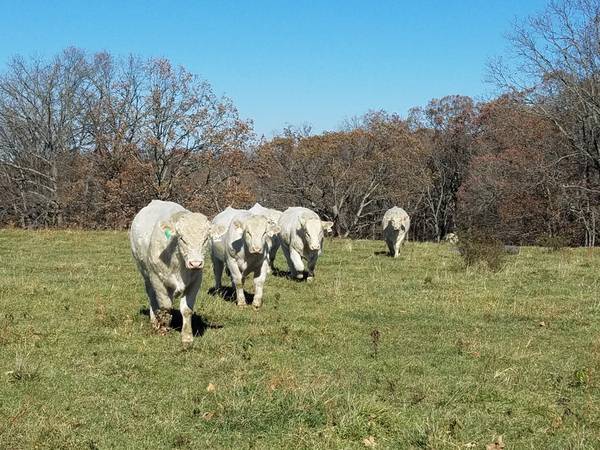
186 307
390 246
162 313
311 264
397 246
237 278
296 264
259 280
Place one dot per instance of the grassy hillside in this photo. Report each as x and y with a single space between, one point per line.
409 353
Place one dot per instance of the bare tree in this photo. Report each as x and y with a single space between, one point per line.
41 128
183 118
554 66
447 129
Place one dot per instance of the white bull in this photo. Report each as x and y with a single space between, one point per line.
272 216
395 223
168 243
244 249
301 237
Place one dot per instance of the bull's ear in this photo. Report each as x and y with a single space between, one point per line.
327 226
273 230
216 231
167 228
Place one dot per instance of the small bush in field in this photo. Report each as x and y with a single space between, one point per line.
477 247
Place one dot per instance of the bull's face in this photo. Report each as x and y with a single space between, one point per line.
398 224
192 232
312 229
257 233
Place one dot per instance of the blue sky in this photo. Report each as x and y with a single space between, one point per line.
287 62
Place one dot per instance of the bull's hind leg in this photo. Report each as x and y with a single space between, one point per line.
153 302
218 266
286 253
273 251
186 307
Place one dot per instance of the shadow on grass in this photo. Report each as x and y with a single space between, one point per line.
228 294
286 274
199 325
388 254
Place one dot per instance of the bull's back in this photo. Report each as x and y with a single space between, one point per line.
289 222
144 222
259 209
224 218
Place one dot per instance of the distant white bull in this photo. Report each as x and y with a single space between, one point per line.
396 223
272 216
168 243
244 249
301 237
451 238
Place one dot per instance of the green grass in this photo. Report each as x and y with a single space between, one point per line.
417 352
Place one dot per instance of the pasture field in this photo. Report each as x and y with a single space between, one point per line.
416 352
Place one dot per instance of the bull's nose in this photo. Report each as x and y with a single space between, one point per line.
315 247
195 264
256 250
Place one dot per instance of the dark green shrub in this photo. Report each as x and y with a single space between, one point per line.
477 247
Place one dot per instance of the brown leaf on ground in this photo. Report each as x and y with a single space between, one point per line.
211 388
369 442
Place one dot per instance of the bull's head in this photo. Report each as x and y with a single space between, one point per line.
191 232
257 232
312 229
398 223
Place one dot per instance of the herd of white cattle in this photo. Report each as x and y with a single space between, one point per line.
168 243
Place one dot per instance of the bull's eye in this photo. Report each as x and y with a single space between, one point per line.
182 239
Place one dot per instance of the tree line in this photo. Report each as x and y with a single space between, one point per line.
87 140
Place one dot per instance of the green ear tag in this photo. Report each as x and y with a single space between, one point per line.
168 233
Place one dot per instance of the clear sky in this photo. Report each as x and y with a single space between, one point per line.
287 62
